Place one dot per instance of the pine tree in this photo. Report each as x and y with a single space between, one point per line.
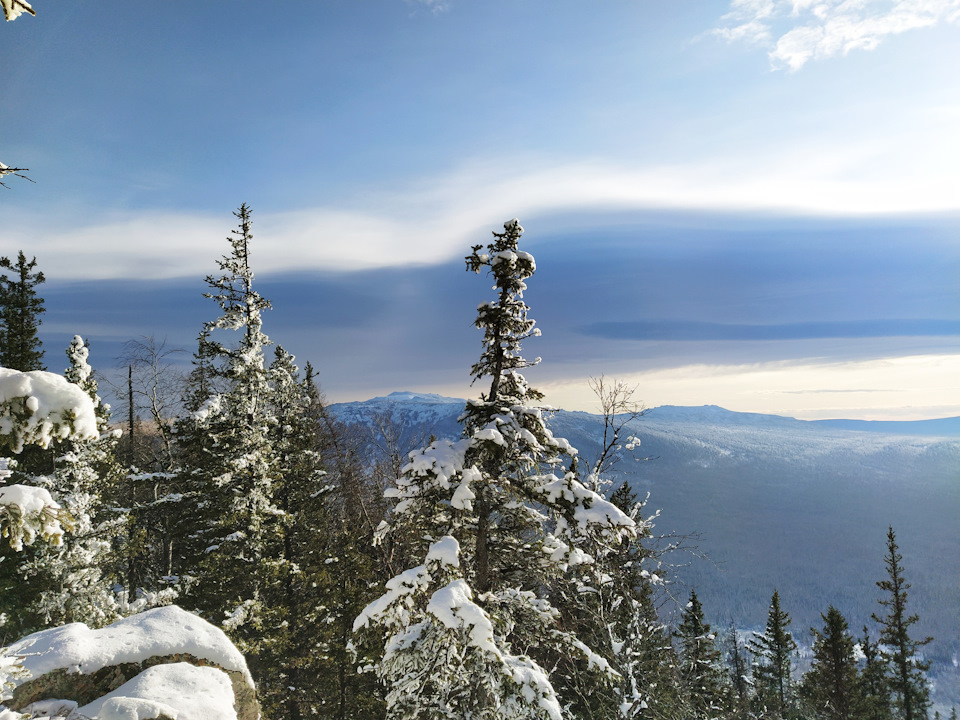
831 689
320 576
497 516
702 679
905 668
20 310
773 652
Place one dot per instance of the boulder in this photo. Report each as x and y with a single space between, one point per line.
164 663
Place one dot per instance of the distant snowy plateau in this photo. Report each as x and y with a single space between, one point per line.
774 503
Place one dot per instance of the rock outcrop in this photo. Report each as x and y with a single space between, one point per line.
164 663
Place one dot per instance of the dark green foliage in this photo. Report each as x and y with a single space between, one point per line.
20 310
911 694
737 668
773 652
704 684
831 690
618 619
873 681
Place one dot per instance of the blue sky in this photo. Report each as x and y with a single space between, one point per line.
751 203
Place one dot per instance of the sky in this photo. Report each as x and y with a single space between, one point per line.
750 204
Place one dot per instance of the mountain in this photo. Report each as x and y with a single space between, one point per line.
775 503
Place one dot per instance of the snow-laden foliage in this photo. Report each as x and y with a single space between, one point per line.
72 579
39 408
462 629
28 513
12 9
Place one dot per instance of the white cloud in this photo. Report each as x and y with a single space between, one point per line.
436 218
801 30
898 388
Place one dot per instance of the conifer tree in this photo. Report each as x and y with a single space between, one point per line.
874 684
609 605
831 689
78 575
737 662
911 694
235 532
497 516
320 577
705 687
773 652
20 310
71 581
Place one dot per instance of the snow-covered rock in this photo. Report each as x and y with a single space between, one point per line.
162 663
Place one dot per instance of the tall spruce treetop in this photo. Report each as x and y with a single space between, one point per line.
227 438
701 664
831 688
496 516
773 652
906 669
20 310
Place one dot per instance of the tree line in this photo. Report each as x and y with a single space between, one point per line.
496 575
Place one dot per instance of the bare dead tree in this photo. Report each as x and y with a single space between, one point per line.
619 409
154 387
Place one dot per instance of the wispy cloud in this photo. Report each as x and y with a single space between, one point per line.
797 31
700 331
434 6
432 220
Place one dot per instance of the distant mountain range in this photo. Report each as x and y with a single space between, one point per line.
776 503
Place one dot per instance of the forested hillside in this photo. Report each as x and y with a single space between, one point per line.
772 502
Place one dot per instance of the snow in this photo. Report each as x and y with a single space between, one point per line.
178 690
453 606
160 631
463 497
404 584
39 407
445 551
38 515
12 9
29 499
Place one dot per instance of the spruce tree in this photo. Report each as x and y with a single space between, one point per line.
737 667
497 517
831 689
704 683
70 581
873 681
773 652
234 531
609 605
20 310
78 576
906 671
